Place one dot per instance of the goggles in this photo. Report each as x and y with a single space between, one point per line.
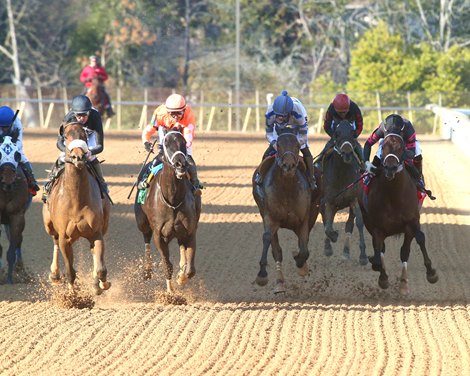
176 113
86 113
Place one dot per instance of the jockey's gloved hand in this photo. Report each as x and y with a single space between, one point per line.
88 155
148 146
370 168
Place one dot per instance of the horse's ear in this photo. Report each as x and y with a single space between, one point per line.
17 156
2 138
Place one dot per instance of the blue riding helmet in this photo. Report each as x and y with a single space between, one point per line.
283 104
6 116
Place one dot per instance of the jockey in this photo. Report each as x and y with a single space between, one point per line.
399 125
92 70
9 124
342 108
175 113
81 112
288 111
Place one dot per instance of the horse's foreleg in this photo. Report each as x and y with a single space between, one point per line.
276 249
54 275
14 230
363 260
187 256
99 268
162 247
404 256
378 260
67 253
301 258
148 264
348 229
431 274
262 277
329 216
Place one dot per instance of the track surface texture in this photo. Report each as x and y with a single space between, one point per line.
335 321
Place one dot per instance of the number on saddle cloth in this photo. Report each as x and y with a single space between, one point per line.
147 178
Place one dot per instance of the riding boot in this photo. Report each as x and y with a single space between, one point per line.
310 172
56 169
359 153
32 183
193 176
418 164
95 163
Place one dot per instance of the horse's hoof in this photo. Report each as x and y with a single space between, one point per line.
328 250
105 285
181 279
383 283
55 279
261 281
404 289
303 270
147 274
280 288
432 277
332 235
346 254
363 260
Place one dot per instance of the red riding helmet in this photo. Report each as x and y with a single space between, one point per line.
341 103
175 103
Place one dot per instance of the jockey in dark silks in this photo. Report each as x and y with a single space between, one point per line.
396 124
342 108
81 112
288 111
9 123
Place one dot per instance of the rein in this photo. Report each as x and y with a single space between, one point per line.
165 201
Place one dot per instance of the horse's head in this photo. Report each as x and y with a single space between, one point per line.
9 160
75 143
288 147
344 140
174 151
393 155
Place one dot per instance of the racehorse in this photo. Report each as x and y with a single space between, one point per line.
391 208
170 211
75 209
97 95
285 200
341 172
14 198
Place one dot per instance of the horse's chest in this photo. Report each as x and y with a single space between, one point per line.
178 226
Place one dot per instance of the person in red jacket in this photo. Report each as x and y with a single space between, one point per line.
92 70
342 108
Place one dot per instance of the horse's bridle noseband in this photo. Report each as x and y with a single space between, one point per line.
170 159
280 157
393 155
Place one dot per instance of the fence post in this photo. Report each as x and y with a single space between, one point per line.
229 111
436 116
211 117
320 118
66 106
201 110
379 108
257 110
410 114
48 115
119 117
247 118
40 108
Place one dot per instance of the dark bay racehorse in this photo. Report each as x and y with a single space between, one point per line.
14 198
391 208
170 211
285 200
75 209
97 96
341 170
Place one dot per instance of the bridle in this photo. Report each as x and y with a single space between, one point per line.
171 158
280 157
392 155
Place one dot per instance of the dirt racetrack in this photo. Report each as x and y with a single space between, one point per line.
335 321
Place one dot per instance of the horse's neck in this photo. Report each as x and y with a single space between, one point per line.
288 183
76 183
173 189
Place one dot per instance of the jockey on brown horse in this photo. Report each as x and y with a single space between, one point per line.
81 112
96 71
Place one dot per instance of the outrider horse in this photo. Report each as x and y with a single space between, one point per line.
391 208
341 171
75 209
97 95
170 211
14 198
285 200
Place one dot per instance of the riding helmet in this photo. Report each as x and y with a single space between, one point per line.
283 104
175 103
81 103
341 103
394 124
6 116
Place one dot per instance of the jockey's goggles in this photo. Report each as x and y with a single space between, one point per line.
87 113
281 119
177 113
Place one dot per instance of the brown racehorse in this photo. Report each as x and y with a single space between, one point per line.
341 169
97 95
391 208
75 209
171 211
285 200
13 201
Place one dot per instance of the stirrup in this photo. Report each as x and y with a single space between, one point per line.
44 197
